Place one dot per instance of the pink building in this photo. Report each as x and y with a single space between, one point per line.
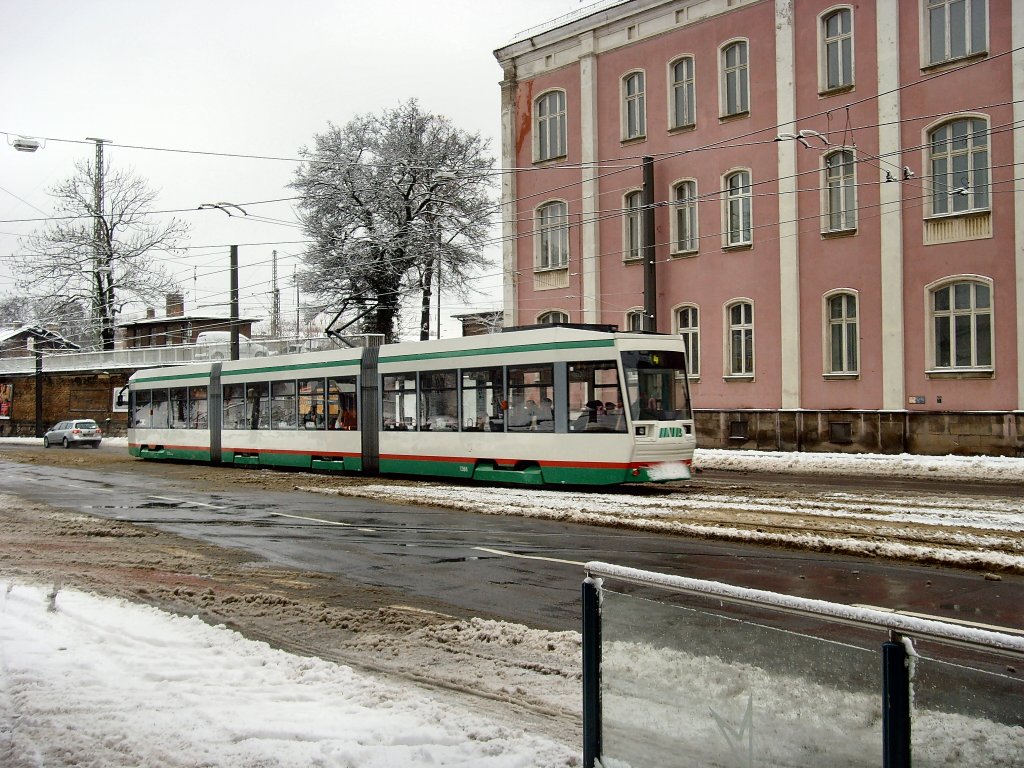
835 232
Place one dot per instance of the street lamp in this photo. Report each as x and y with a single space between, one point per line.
25 144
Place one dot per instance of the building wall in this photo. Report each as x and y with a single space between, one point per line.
894 253
65 396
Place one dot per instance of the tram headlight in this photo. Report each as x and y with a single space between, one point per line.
641 431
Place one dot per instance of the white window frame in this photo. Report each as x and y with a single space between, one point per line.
747 340
634 105
551 316
550 140
839 184
737 202
978 173
843 44
955 45
685 209
687 88
635 317
691 337
547 228
982 361
737 74
845 324
632 225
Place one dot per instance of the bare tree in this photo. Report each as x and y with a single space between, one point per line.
72 322
102 259
388 200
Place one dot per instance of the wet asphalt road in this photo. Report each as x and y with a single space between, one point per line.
512 568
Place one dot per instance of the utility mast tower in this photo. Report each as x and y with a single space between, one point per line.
275 310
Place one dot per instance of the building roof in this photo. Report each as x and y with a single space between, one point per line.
37 332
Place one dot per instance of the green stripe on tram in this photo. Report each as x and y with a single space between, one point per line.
172 377
292 367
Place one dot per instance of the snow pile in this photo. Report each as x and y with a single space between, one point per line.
107 683
998 469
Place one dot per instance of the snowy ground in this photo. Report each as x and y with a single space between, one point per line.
94 681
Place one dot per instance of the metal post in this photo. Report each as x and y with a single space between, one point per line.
100 307
234 302
647 248
895 704
40 431
591 673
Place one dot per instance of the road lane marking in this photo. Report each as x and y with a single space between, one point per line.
321 520
186 501
946 619
503 553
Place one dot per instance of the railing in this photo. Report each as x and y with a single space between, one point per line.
180 354
685 672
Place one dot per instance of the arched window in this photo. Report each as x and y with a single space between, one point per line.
740 342
636 320
632 225
961 319
552 235
840 191
735 84
955 29
842 333
682 102
958 156
549 115
738 209
684 196
553 316
837 49
688 326
634 110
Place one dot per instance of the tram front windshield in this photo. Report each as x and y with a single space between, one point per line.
656 385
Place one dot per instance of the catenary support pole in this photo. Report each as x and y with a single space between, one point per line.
234 302
895 704
647 248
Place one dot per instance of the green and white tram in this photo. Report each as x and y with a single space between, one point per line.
580 405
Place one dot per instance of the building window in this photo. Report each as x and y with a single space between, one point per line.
632 225
842 333
553 236
688 325
553 317
962 325
837 58
737 209
955 29
741 338
840 190
634 114
685 220
682 93
550 125
636 320
735 99
958 155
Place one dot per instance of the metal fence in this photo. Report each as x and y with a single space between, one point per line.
685 672
181 354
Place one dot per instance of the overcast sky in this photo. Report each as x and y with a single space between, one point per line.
249 77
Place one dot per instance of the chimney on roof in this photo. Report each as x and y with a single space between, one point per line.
175 304
150 313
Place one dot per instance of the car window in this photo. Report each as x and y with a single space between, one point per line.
85 424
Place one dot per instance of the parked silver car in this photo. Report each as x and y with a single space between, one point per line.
74 432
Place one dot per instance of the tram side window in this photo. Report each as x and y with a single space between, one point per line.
341 403
158 409
482 396
439 401
398 409
197 408
179 408
234 406
595 398
282 405
530 404
311 404
140 408
257 405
